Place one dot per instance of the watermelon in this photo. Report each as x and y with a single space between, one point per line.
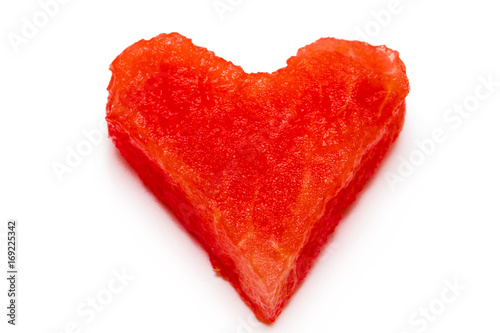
258 167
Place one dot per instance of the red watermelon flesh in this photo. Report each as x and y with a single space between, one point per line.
257 166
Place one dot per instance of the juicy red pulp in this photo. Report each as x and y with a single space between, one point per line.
257 166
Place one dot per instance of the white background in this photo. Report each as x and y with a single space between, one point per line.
395 249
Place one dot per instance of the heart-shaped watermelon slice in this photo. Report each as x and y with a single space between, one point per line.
257 166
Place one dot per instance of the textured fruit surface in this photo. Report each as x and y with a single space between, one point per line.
258 167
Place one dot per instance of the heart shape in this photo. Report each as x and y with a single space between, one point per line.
258 167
